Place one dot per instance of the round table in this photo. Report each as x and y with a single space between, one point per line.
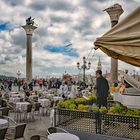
14 100
62 136
22 105
33 96
49 95
15 95
44 102
3 123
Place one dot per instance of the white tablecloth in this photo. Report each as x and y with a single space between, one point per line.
62 136
127 100
33 96
3 123
13 92
22 105
15 95
44 102
57 98
49 95
14 100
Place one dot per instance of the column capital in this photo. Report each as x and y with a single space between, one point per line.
29 29
114 12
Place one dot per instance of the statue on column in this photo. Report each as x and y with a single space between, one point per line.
30 21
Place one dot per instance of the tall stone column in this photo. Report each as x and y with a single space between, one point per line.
114 12
29 29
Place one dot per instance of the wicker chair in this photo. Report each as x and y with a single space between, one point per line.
5 111
28 112
37 109
3 133
51 130
51 106
38 137
19 132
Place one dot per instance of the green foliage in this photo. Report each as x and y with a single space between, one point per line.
80 101
91 100
61 104
133 112
67 103
72 101
95 108
72 107
103 109
118 110
82 107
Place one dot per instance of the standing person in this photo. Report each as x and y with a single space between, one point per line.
30 85
25 86
57 84
40 82
102 89
74 90
19 84
64 89
10 85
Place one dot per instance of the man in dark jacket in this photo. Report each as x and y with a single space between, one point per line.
102 89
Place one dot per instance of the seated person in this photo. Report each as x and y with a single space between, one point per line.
27 93
2 102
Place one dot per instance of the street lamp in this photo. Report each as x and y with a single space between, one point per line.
84 67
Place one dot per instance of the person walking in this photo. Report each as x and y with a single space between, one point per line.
102 89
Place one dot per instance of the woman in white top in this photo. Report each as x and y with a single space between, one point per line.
74 90
64 89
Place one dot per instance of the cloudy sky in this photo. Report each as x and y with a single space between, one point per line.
66 32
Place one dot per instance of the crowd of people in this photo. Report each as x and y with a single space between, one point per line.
67 89
63 88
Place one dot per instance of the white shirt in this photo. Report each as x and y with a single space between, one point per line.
73 91
64 90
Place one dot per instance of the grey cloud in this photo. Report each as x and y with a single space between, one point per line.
13 2
40 5
84 26
41 31
58 5
58 19
7 58
92 6
61 5
19 39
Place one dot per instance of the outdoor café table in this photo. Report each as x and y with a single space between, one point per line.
22 105
33 96
57 98
49 95
44 102
14 95
62 136
3 123
13 92
14 100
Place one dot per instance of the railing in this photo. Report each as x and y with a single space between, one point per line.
95 122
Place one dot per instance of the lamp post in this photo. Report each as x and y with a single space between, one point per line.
84 67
